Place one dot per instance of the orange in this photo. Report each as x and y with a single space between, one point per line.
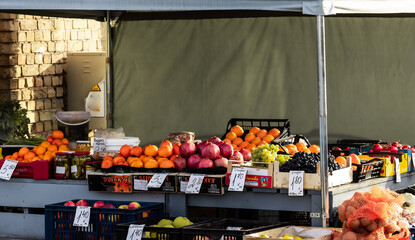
48 157
160 160
35 149
50 153
234 146
284 149
125 150
254 130
166 143
151 150
15 155
292 149
116 160
300 145
226 140
151 164
256 140
19 159
249 137
176 148
165 151
262 133
57 134
63 148
57 142
237 149
355 158
231 136
274 132
314 148
268 138
36 159
136 151
106 164
167 164
52 148
142 157
146 159
237 130
237 141
9 157
23 151
262 142
65 141
341 161
137 163
45 144
122 162
131 159
305 150
108 158
40 151
250 147
244 144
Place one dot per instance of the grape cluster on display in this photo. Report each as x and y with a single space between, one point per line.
268 153
308 163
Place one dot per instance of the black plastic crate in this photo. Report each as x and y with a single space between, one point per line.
157 232
102 223
368 170
247 123
292 139
216 230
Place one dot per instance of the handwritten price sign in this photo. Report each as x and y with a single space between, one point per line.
296 183
7 169
135 232
237 180
195 182
157 180
82 216
99 145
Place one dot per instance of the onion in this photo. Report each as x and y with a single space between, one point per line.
193 160
205 163
221 162
245 154
211 151
226 150
187 149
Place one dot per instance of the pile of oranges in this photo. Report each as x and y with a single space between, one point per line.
149 157
254 138
301 147
45 151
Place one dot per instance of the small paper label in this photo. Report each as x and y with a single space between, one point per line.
237 180
195 182
74 169
183 186
135 232
82 215
296 183
99 145
140 185
398 170
157 180
233 228
7 169
60 170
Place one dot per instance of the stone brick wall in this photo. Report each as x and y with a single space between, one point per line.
33 52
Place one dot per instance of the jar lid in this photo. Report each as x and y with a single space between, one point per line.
81 153
62 153
83 141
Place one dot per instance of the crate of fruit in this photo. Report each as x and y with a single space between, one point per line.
229 228
161 228
246 124
39 170
59 218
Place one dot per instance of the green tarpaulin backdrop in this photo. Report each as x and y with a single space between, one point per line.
195 74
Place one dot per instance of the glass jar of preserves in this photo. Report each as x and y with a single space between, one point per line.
82 146
62 165
79 161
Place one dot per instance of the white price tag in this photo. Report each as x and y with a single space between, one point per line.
140 185
157 180
233 228
99 145
74 169
237 180
183 186
60 170
195 182
82 215
7 169
398 170
296 183
135 232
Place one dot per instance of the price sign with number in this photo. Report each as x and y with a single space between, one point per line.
296 183
398 170
135 232
82 216
237 180
99 145
7 169
157 180
195 182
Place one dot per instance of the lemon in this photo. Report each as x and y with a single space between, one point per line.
297 237
288 235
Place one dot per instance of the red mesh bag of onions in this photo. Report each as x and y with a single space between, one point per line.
372 215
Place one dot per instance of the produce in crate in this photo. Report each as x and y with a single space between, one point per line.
267 153
308 162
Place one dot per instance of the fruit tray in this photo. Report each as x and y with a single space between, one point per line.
103 221
368 170
247 123
221 229
152 232
39 170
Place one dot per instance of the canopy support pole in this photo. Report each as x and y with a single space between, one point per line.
322 103
110 107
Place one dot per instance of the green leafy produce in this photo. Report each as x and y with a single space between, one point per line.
13 120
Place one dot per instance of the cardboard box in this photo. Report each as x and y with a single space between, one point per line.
410 158
257 176
212 184
304 232
312 180
140 179
110 182
389 168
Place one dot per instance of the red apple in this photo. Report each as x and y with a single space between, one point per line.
412 150
338 149
377 148
108 205
133 205
69 204
370 151
82 202
99 204
49 139
406 147
347 149
393 149
395 144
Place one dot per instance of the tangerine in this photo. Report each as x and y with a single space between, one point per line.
231 136
147 158
151 150
254 130
162 159
262 133
106 164
65 141
125 150
45 144
227 141
237 149
262 142
268 138
23 151
256 140
118 159
250 147
151 163
57 142
136 151
108 158
63 148
341 161
234 146
249 137
137 163
176 148
314 148
131 159
244 144
142 157
165 151
9 157
237 130
40 151
35 149
275 132
166 143
167 164
15 155
57 134
48 157
36 159
237 141
52 148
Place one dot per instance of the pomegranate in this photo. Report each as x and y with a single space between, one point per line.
205 163
180 163
245 154
201 145
237 157
221 162
226 150
214 139
193 160
211 151
187 149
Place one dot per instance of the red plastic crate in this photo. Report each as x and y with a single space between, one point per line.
39 170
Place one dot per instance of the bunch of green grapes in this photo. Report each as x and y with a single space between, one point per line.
265 153
282 159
